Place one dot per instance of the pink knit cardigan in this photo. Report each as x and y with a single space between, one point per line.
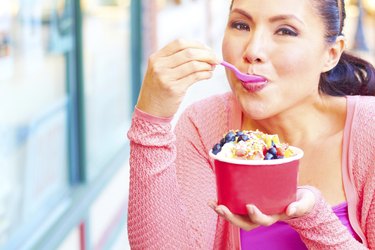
172 180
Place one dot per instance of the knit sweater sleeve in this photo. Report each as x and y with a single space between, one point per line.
322 229
154 219
370 225
368 220
363 165
171 182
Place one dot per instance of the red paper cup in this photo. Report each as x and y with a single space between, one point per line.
271 185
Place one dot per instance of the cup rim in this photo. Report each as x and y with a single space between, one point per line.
297 156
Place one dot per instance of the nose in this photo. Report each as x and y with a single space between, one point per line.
255 50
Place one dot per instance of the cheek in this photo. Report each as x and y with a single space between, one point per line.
298 72
230 53
230 49
224 47
291 64
299 65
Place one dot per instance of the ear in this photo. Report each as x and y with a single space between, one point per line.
334 53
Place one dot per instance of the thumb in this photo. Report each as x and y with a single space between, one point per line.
305 202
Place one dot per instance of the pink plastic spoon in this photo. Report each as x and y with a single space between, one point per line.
243 77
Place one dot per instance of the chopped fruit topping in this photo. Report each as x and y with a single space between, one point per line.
251 145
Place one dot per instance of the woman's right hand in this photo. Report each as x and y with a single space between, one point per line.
170 72
306 199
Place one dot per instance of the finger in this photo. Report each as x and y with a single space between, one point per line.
238 220
189 68
184 83
212 204
257 217
192 54
304 204
170 69
178 45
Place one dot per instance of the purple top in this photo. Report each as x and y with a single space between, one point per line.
281 236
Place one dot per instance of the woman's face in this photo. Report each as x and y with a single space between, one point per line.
281 41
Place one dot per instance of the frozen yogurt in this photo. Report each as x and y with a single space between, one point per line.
251 145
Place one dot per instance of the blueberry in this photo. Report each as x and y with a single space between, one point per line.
273 144
216 149
268 156
239 133
280 157
243 138
272 151
230 137
222 142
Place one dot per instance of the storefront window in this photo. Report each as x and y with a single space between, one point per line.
34 39
106 79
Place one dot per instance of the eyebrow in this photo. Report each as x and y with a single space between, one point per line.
272 19
286 17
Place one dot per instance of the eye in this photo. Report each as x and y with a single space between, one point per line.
286 32
240 26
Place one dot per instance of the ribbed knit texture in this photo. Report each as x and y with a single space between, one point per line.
363 161
322 229
172 180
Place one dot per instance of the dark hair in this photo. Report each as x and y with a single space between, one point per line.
352 75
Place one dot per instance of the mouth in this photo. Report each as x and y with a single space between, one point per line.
254 86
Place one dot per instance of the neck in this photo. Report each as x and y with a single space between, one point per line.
307 123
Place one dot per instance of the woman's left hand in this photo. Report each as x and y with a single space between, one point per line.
304 204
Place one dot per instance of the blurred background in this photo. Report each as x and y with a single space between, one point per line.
70 72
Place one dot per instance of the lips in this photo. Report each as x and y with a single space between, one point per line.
252 79
254 86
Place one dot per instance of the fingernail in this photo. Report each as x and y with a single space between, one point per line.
292 211
250 209
220 211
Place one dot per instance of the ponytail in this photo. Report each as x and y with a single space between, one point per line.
351 76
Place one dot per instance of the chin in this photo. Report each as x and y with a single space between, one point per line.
255 110
256 116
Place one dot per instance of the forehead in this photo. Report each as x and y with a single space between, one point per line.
302 8
266 9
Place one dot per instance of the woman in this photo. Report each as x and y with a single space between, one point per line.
314 97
